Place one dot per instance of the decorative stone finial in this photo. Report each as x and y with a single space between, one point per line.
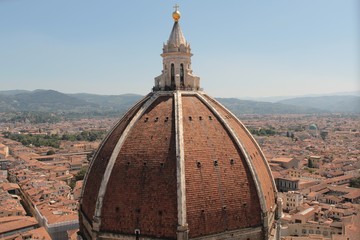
176 14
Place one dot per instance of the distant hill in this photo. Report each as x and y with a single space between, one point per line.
12 92
340 104
53 101
123 102
42 101
238 107
118 103
280 98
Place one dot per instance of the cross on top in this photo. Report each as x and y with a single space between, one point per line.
176 7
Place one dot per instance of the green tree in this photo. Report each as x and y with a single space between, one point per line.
81 174
292 135
355 182
90 155
310 164
50 152
323 135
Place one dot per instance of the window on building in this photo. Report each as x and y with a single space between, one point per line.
172 75
181 74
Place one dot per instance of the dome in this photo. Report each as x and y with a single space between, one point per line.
133 182
178 165
313 126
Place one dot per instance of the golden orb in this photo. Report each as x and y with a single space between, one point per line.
176 15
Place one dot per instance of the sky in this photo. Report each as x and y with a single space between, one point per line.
241 48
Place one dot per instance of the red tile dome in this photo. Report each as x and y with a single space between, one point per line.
133 182
178 165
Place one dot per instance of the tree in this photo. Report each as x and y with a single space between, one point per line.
90 155
323 135
50 152
310 164
355 182
81 174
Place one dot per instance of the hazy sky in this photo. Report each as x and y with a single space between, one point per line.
241 47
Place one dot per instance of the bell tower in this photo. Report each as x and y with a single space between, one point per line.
177 72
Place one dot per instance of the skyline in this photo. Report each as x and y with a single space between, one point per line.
240 49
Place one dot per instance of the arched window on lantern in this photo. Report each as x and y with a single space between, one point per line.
172 75
182 75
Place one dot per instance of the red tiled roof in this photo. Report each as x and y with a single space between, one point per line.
218 197
254 151
99 163
142 188
8 224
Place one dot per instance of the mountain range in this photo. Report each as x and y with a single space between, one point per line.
54 101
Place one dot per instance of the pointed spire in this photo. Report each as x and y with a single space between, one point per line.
176 37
